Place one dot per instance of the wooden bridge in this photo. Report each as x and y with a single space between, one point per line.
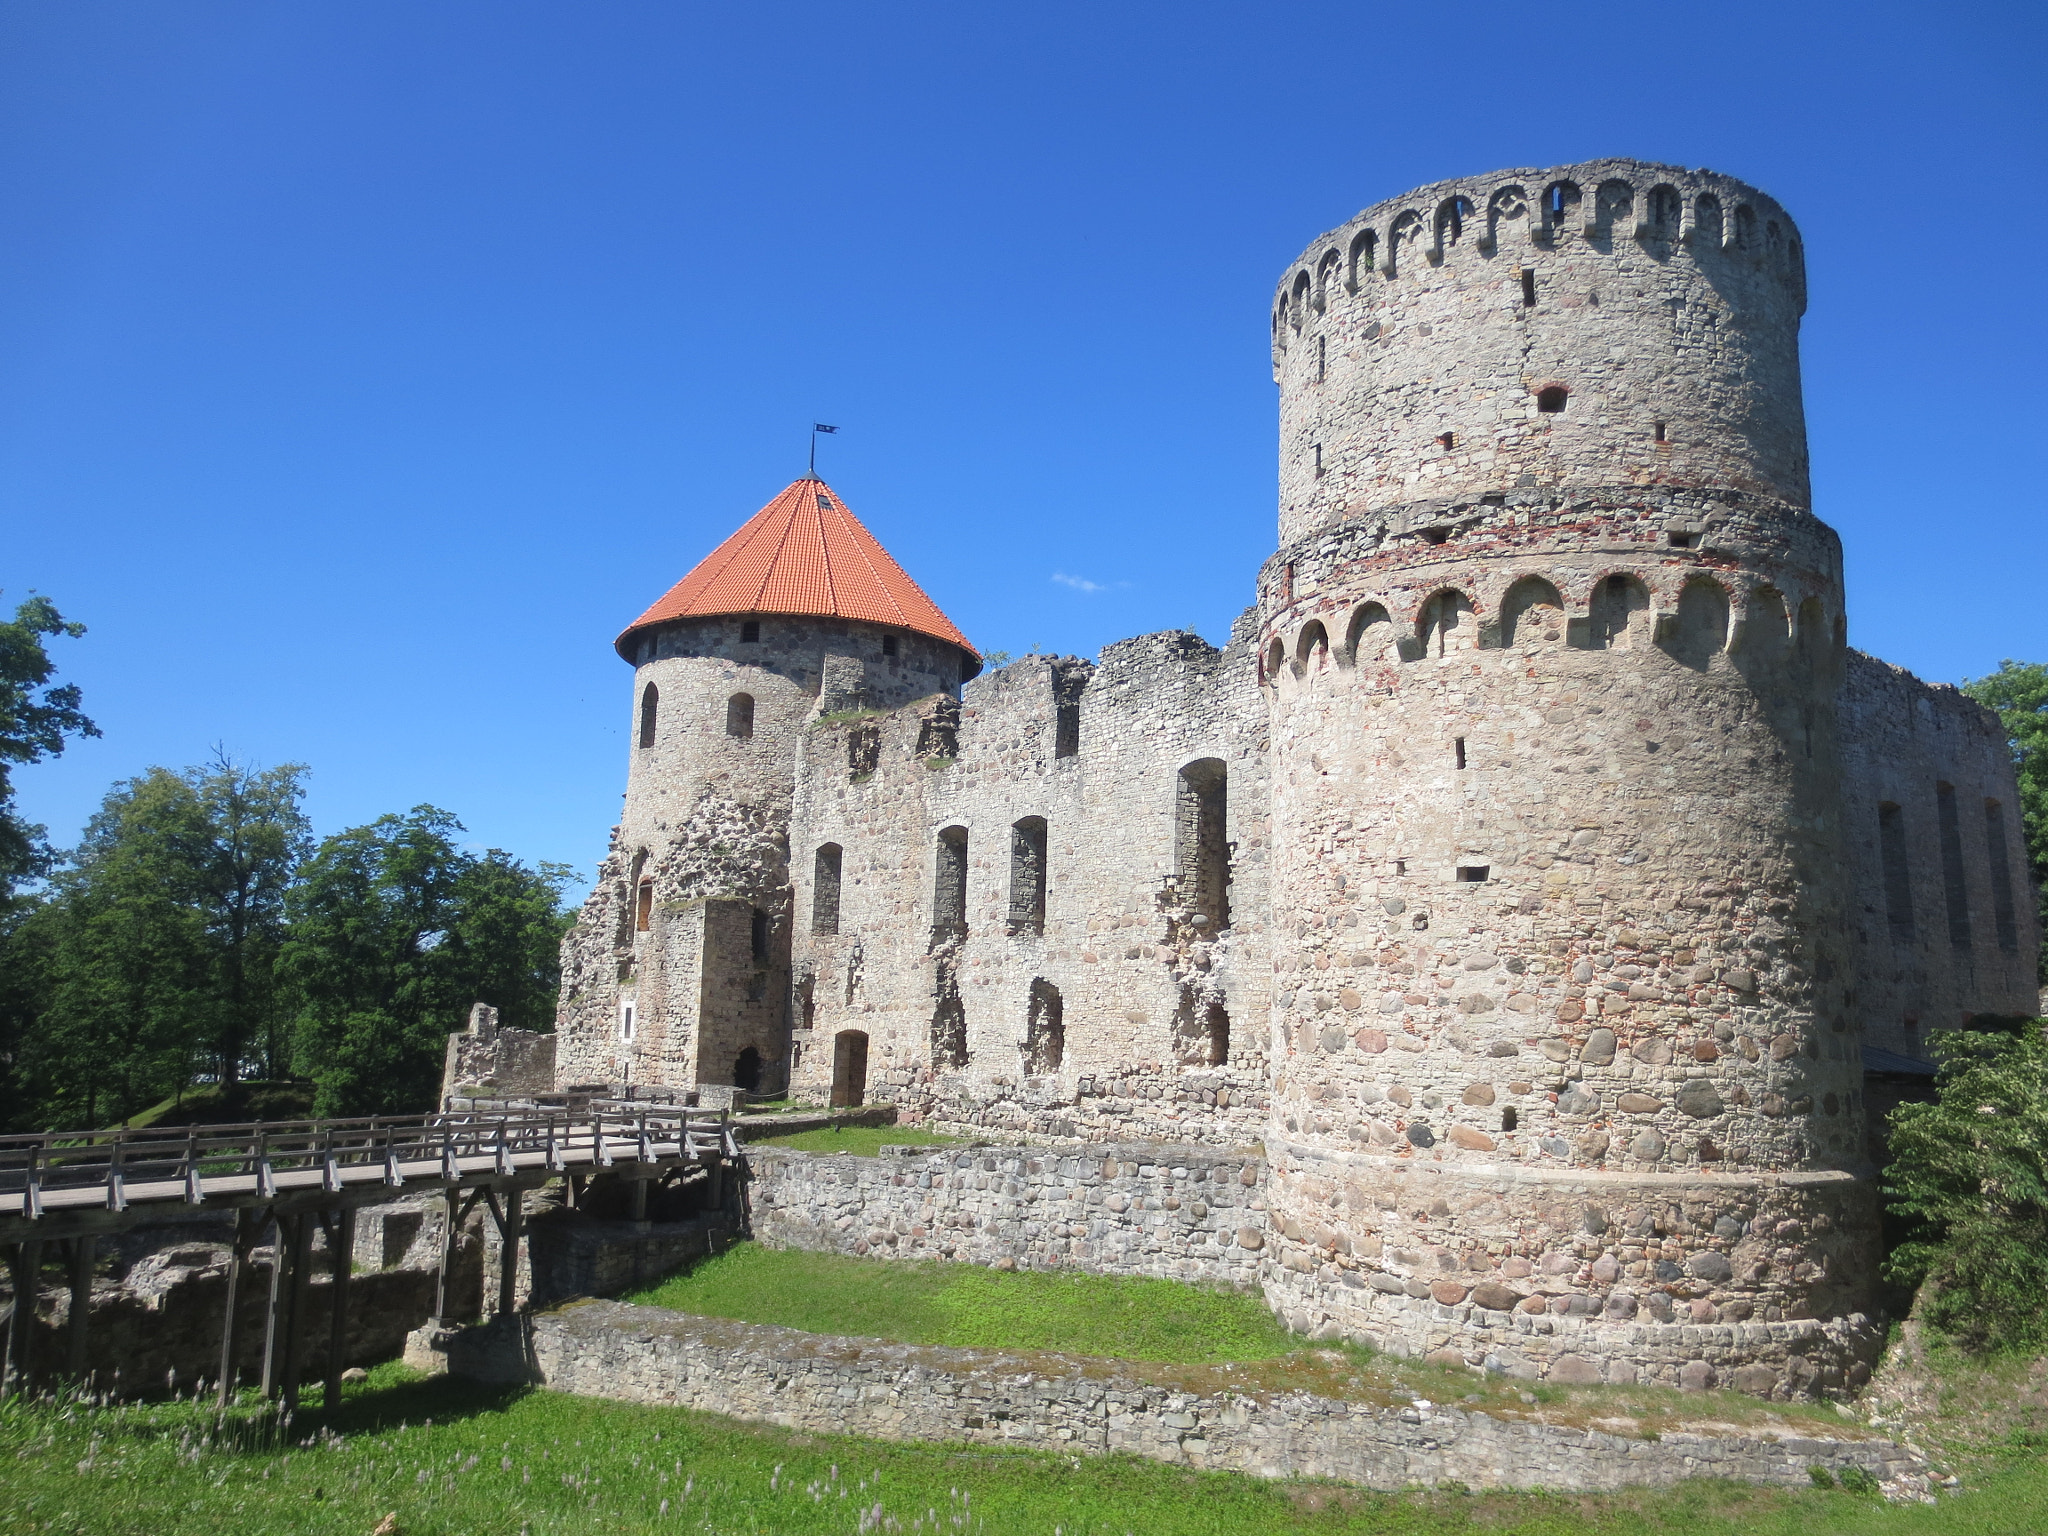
71 1188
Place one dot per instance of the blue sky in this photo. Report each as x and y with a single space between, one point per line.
366 366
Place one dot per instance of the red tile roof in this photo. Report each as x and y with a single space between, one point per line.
803 553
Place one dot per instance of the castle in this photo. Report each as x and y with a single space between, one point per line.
1528 875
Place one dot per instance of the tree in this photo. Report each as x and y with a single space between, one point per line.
1969 1176
2018 693
35 718
394 933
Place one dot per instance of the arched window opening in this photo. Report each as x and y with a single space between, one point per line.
949 884
1706 221
1898 874
1619 610
1362 254
1027 875
825 889
849 1069
1560 204
1313 648
1202 846
1551 398
1528 287
1702 628
1955 885
2002 916
1201 1031
1768 627
1446 624
1745 229
949 1022
1614 203
650 709
1666 208
1371 635
1045 1030
1276 658
1531 614
1069 683
746 1070
643 906
739 715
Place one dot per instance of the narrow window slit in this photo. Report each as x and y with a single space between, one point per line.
1461 751
1528 287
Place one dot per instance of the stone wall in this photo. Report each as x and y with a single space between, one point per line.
1144 983
1189 1416
1176 1212
1929 952
503 1062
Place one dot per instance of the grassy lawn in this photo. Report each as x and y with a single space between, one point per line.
441 1458
967 1307
859 1140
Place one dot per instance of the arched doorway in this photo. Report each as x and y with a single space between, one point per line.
849 1069
746 1072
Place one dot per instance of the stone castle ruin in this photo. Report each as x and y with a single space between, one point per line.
1529 876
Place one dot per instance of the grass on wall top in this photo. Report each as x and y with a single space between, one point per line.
965 1307
856 1140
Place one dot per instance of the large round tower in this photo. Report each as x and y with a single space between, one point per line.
1551 648
677 972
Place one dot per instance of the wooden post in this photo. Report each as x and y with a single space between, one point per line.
637 1199
301 1304
17 1374
248 1224
509 1232
343 1256
443 1278
717 1171
274 1310
80 1310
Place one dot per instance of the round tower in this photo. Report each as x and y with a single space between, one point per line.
1551 648
677 972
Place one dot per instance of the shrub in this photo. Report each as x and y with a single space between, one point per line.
1969 1180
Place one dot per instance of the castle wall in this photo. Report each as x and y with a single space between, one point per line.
706 816
1136 977
1924 962
1664 301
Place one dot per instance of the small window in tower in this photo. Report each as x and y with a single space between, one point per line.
1529 287
1322 361
1679 539
739 715
1660 432
1319 461
650 710
1461 751
1448 439
626 1023
750 632
1473 874
643 906
1551 399
888 645
824 502
758 936
1508 1118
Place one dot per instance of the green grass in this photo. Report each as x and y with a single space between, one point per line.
443 1458
965 1306
859 1140
214 1104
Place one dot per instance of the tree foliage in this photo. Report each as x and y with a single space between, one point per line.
35 719
394 932
2018 692
1969 1177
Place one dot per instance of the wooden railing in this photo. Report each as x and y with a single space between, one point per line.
87 1169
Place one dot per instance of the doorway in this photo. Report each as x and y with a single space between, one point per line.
849 1069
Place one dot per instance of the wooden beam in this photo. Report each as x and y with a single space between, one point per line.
247 1225
511 1228
342 1243
275 1308
79 1313
17 1373
451 1229
301 1305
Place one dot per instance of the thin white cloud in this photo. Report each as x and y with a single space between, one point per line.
1083 584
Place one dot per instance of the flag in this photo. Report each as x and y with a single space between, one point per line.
819 426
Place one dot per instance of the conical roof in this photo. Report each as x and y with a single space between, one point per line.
804 553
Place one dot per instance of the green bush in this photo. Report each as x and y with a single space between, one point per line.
1969 1181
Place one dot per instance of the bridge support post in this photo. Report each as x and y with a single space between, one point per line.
248 1224
510 1229
636 1199
79 1313
443 1277
17 1373
274 1310
342 1247
301 1304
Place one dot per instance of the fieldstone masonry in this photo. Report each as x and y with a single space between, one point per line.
1525 876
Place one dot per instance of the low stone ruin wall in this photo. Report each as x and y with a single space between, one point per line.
1181 1213
1180 1414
